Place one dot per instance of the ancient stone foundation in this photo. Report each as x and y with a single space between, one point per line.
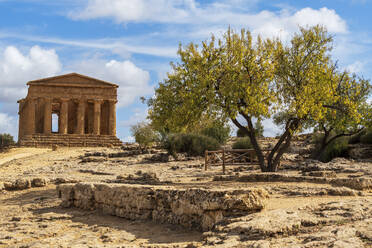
191 208
84 112
72 140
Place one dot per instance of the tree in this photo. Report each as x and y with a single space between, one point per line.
144 134
259 129
347 113
217 130
235 76
6 140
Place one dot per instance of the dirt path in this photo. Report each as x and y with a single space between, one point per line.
17 153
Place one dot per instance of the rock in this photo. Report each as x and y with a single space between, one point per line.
2 187
66 193
90 159
158 157
191 208
138 178
321 174
95 154
39 182
54 147
271 223
18 184
60 180
364 230
361 183
360 152
16 219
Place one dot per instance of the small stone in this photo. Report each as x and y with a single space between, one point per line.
22 184
15 218
39 182
54 147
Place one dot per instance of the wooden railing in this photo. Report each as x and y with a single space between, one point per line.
231 157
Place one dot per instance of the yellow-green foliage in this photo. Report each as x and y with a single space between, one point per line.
144 134
238 76
218 131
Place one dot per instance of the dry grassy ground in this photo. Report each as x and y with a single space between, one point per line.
33 217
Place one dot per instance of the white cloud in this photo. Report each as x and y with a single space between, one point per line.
133 81
120 46
130 139
8 124
136 10
211 17
138 116
356 67
17 68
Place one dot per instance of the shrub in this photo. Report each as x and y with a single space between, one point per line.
356 137
242 143
337 148
366 138
6 140
259 129
241 133
144 134
218 131
192 144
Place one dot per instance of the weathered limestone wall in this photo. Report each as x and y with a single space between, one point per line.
191 208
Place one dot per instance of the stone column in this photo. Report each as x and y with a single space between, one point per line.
63 116
97 117
112 117
80 127
21 119
30 119
47 115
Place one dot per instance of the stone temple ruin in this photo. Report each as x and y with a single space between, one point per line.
85 108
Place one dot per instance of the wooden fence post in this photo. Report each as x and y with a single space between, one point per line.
223 161
206 160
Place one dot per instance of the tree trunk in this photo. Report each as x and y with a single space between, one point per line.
272 162
256 146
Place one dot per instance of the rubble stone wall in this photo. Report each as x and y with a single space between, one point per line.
191 208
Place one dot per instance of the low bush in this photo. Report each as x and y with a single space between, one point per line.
355 139
144 134
218 131
192 144
337 148
241 133
366 138
6 140
242 143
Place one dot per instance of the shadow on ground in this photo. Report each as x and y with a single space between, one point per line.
45 201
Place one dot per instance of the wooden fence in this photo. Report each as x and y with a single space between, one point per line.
231 157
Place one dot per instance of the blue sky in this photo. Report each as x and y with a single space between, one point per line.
131 42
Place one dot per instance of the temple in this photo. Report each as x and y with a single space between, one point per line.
83 110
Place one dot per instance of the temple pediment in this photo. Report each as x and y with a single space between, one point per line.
72 80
